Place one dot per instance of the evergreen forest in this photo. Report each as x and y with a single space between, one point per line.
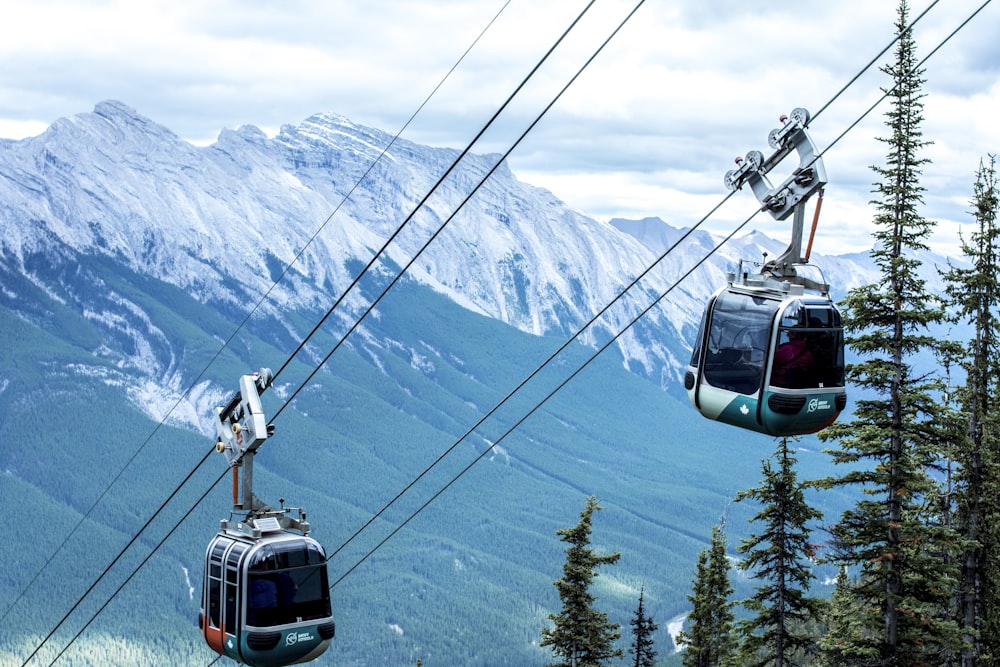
881 550
916 555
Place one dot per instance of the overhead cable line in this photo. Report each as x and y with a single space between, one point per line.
138 567
86 515
604 347
554 391
329 312
921 63
117 558
876 58
394 281
399 275
226 343
461 205
416 209
517 142
579 369
580 331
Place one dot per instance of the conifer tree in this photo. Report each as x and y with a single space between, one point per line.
643 628
975 295
896 535
778 555
843 645
582 636
709 636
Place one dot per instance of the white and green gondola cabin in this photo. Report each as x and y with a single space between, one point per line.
769 356
265 598
769 360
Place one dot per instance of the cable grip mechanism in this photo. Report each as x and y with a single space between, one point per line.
241 427
807 178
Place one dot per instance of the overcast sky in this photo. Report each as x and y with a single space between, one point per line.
649 129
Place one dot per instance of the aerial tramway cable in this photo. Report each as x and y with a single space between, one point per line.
616 336
202 461
135 570
554 391
703 260
90 511
461 205
600 350
385 291
537 406
420 204
86 515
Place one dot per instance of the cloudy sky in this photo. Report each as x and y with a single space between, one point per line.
648 129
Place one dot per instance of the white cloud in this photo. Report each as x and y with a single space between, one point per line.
648 129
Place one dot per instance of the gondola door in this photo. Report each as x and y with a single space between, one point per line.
220 617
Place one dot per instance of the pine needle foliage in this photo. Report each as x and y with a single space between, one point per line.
843 644
709 636
643 629
778 554
975 298
581 636
897 536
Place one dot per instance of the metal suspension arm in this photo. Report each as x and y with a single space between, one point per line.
807 178
242 427
791 196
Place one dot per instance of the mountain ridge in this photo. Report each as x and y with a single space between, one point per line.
247 210
141 259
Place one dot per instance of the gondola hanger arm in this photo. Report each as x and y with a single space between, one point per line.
815 223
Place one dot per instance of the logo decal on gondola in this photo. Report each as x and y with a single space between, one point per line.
294 638
744 410
818 404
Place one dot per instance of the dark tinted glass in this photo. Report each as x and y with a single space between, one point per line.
810 350
737 341
287 583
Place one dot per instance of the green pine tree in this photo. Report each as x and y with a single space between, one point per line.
975 295
643 628
581 635
708 637
844 643
778 555
897 535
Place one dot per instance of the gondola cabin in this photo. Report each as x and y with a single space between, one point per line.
769 360
266 598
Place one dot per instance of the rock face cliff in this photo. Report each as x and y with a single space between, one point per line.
139 271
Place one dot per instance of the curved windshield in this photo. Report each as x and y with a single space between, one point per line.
736 346
810 348
287 583
696 352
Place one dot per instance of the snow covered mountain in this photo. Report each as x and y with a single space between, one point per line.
223 223
128 256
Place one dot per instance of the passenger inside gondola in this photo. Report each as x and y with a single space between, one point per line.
810 349
793 361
